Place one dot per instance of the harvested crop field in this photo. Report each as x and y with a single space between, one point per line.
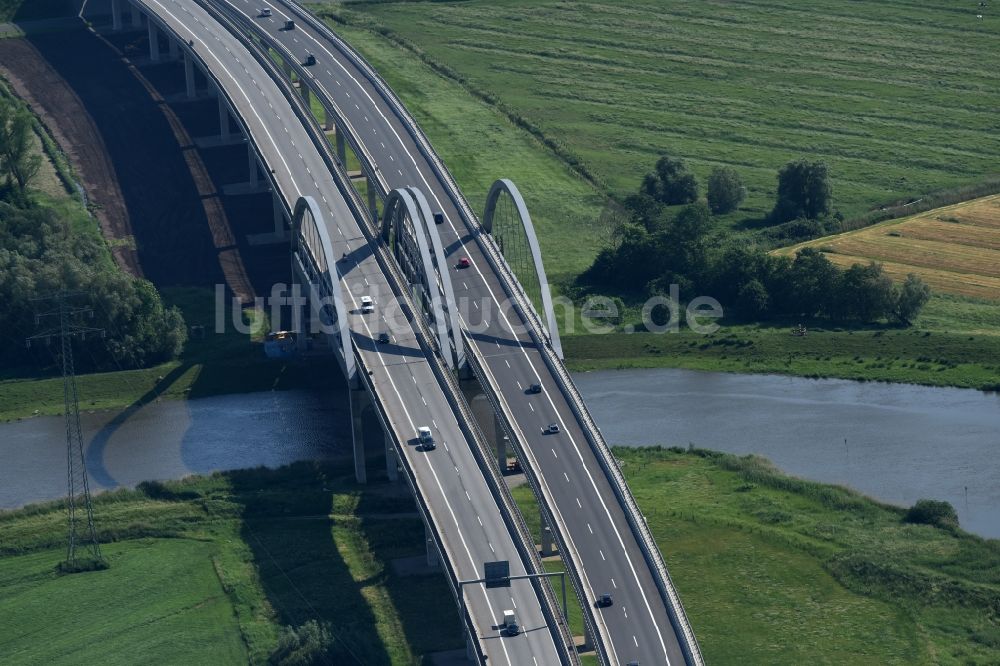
955 249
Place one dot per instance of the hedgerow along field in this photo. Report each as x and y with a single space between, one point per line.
955 249
898 98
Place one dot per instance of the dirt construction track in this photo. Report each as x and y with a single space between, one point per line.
148 185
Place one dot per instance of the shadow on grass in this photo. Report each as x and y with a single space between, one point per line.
303 574
423 600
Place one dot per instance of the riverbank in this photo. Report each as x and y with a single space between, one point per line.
956 342
216 364
230 560
777 570
771 569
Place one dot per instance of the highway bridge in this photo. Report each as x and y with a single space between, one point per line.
585 502
470 517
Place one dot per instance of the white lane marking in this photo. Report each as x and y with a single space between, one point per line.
602 555
531 407
423 400
480 521
554 453
468 495
566 476
434 423
519 387
590 528
507 362
624 610
513 602
578 503
635 641
614 584
492 548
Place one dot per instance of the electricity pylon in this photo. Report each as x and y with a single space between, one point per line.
78 488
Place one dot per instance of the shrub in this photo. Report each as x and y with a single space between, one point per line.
932 512
311 643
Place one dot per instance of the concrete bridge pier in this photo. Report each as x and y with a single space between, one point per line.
372 204
173 49
328 123
432 551
391 462
189 85
304 89
359 400
154 41
279 217
588 640
224 129
341 148
252 159
116 15
548 544
501 444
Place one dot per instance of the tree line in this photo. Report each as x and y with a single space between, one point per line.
42 253
654 246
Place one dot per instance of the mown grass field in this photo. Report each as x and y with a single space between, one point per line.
479 145
775 570
208 570
897 97
955 249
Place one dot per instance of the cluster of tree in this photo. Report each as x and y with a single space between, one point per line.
19 161
42 254
656 248
804 189
670 184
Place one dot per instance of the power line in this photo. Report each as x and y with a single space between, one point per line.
77 485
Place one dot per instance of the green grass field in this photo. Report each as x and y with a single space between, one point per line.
775 570
208 569
897 98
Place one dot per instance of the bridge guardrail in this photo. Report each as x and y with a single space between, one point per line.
498 488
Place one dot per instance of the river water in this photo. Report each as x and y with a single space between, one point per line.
172 439
897 443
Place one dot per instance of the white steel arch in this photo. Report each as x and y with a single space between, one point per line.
309 231
506 185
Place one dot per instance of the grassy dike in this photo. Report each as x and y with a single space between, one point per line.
208 570
955 343
777 570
